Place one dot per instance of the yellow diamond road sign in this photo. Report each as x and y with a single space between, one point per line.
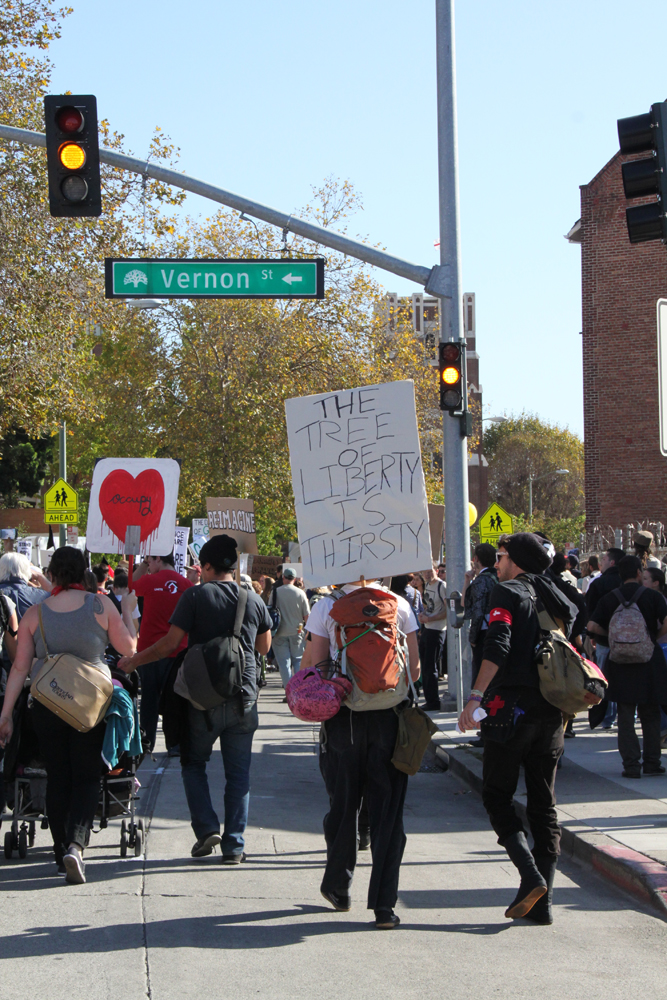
61 504
494 523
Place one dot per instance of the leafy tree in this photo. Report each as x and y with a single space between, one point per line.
23 465
525 445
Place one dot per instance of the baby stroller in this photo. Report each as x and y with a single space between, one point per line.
25 783
119 786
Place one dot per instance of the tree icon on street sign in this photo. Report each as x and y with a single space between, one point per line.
136 278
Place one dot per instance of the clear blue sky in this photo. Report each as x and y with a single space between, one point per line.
267 99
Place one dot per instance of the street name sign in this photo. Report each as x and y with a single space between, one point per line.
206 278
493 523
61 504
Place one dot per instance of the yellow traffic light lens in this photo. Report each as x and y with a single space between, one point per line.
72 156
451 376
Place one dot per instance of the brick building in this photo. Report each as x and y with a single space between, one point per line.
423 313
626 475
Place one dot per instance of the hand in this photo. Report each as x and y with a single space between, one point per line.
125 663
469 575
128 602
466 720
423 618
6 730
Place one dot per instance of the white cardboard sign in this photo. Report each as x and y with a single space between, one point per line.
181 537
131 491
358 483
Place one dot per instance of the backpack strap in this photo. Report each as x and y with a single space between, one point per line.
240 611
635 597
41 629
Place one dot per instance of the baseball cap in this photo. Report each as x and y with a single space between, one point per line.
289 573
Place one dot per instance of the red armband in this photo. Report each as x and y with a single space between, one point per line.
500 615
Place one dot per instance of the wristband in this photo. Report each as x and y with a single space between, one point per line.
477 691
474 697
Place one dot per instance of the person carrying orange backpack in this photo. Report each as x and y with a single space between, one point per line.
370 635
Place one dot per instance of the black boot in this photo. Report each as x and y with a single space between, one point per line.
541 913
533 886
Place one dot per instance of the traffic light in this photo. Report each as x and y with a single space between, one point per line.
647 176
451 363
73 155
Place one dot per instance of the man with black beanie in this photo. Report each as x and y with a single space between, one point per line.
521 727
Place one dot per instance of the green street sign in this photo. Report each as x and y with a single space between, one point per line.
171 278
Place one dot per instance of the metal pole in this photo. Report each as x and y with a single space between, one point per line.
62 469
455 455
530 499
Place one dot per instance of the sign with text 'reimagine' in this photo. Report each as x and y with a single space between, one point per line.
131 492
493 523
358 483
61 504
236 518
171 278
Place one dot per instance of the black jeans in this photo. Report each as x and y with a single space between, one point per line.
628 741
356 761
73 765
153 678
431 645
537 743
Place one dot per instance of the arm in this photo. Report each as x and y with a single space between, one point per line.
10 640
594 629
119 635
319 649
38 579
413 656
487 672
128 603
262 642
160 650
20 670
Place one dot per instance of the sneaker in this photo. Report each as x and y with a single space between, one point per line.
431 707
632 774
205 845
174 751
233 859
364 840
386 920
337 900
654 770
75 870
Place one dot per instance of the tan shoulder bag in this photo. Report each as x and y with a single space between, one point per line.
77 692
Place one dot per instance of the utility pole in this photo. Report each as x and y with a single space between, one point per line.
62 469
455 452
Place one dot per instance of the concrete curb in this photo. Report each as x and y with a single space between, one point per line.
636 873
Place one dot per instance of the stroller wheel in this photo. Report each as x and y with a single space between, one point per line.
31 834
140 824
138 843
9 845
123 839
23 844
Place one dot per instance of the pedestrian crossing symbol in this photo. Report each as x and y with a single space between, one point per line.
494 523
61 504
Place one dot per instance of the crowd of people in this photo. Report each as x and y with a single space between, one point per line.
166 626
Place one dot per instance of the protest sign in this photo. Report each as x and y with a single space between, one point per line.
199 526
181 536
236 518
358 483
196 546
133 491
264 566
24 547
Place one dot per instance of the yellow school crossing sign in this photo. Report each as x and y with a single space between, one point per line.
494 523
61 504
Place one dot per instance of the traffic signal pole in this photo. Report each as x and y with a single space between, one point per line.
62 470
455 450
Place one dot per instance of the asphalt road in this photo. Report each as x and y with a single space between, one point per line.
168 928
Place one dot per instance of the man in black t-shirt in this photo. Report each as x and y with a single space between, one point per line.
204 613
635 687
521 728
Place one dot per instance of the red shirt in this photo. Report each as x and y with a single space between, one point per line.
161 592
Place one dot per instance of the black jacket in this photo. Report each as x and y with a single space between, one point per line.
603 584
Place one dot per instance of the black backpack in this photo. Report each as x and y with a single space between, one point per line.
212 672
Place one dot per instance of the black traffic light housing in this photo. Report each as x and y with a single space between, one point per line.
73 155
452 375
648 176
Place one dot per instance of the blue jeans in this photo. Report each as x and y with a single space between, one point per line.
235 732
288 650
601 657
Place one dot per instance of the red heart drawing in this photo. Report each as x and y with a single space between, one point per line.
126 499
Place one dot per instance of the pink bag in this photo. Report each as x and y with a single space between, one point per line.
311 698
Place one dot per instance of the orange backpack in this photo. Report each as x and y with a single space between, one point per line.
372 649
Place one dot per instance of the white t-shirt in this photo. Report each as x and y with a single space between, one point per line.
321 623
435 597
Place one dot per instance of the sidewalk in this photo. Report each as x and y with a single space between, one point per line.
617 824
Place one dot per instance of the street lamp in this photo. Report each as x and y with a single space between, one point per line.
533 479
495 420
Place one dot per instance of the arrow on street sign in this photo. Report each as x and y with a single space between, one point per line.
211 278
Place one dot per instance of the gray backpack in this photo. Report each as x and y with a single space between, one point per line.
629 639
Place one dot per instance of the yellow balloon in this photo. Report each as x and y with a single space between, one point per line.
472 514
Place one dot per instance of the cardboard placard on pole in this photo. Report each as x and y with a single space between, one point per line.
233 517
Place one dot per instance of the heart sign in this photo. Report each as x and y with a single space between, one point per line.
126 499
133 491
